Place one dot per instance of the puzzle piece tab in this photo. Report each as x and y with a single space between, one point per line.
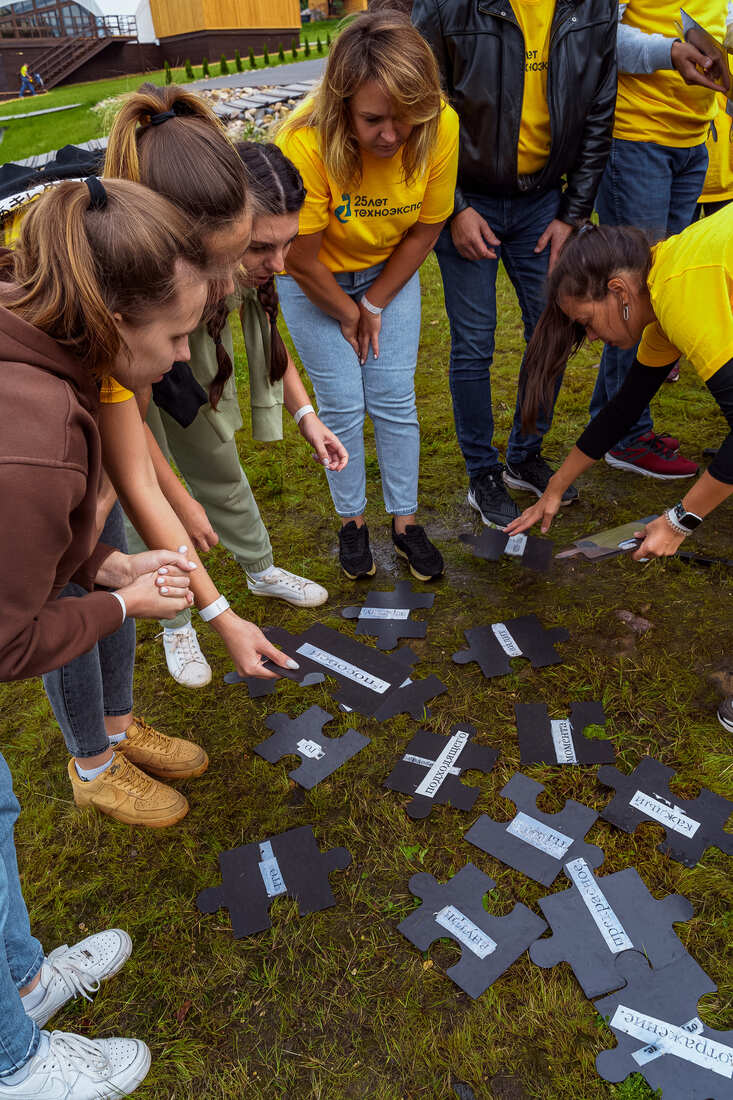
253 874
386 615
493 646
535 843
303 736
258 687
533 552
692 825
545 740
654 1018
599 918
490 944
431 768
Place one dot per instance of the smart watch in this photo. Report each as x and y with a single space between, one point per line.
681 520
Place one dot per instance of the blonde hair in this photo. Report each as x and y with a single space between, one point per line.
384 47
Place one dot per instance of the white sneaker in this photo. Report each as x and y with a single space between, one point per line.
73 1068
69 971
186 663
283 585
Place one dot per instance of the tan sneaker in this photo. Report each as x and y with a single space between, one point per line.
125 793
167 757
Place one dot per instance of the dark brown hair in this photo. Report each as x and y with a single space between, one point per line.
591 257
75 265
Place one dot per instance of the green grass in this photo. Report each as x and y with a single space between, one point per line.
337 1005
48 132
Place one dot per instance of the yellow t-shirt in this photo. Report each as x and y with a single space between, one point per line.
691 287
719 180
535 19
112 393
659 107
363 226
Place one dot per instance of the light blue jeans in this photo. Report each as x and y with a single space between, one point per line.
21 955
383 388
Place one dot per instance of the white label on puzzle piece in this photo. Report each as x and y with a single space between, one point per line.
270 871
675 1039
425 763
505 640
384 613
311 749
671 816
431 782
648 1054
539 835
337 664
605 919
468 933
516 545
562 739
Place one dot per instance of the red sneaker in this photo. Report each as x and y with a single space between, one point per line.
671 442
650 456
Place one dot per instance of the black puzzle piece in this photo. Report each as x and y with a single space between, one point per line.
253 874
303 736
257 686
386 615
490 944
432 766
598 919
545 740
533 552
535 843
691 825
493 646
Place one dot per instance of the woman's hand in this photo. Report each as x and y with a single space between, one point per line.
350 328
370 325
544 511
156 596
659 540
327 447
248 646
193 517
120 569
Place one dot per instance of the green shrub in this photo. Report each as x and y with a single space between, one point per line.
294 48
281 52
205 67
307 47
265 55
238 61
319 44
223 66
252 62
328 40
168 73
189 69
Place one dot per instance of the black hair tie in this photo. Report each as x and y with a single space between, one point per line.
97 193
163 116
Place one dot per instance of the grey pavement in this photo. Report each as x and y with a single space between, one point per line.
310 69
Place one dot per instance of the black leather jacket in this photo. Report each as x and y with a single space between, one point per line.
480 52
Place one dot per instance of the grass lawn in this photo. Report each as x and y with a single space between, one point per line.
47 132
337 1005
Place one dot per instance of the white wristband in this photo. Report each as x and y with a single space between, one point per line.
123 605
302 411
376 310
218 607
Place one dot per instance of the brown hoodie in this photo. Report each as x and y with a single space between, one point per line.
50 467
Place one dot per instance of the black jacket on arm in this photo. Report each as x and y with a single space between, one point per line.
480 51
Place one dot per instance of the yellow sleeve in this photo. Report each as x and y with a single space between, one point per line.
655 350
440 191
301 146
695 313
112 393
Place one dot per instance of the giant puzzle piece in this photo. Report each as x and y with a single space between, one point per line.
535 843
303 736
492 646
599 918
386 615
253 874
490 944
654 1018
607 544
257 686
545 740
691 825
431 767
534 553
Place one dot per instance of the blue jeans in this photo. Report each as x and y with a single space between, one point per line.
21 954
470 301
656 188
383 388
26 85
99 682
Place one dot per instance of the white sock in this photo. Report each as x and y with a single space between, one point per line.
115 738
260 574
21 1074
87 774
34 998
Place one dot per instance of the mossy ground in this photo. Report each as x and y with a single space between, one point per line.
338 1005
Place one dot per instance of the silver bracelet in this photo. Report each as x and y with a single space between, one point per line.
218 607
302 411
122 603
672 521
376 310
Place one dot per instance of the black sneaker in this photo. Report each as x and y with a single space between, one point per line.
354 553
425 560
725 714
533 475
486 493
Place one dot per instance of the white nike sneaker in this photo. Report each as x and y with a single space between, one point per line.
186 663
70 971
73 1068
283 585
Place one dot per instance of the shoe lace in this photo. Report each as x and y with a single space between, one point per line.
60 965
656 444
418 540
150 737
131 778
289 580
183 645
537 465
72 1049
351 536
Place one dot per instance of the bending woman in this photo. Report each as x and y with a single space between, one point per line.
377 148
677 298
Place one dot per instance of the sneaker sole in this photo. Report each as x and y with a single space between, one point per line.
124 819
293 603
515 483
357 576
725 723
413 570
619 464
488 522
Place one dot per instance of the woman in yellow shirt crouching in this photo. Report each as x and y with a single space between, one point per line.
377 148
